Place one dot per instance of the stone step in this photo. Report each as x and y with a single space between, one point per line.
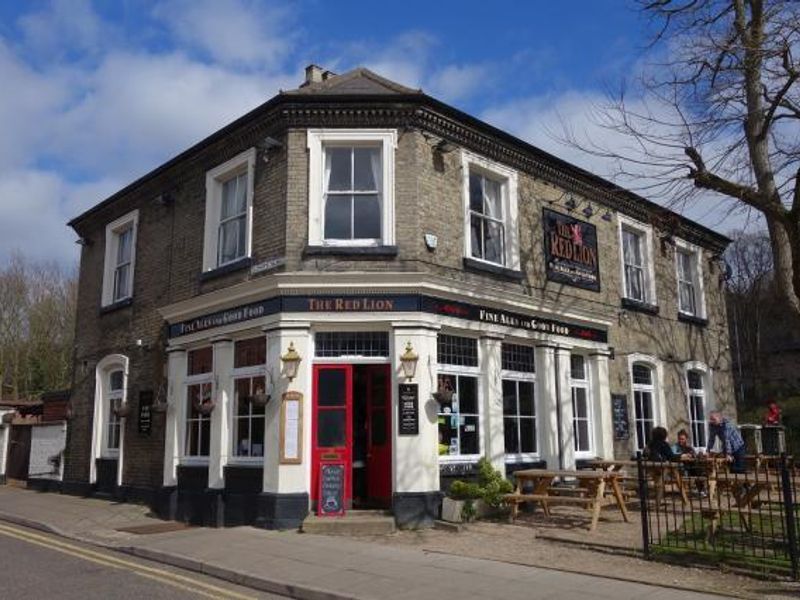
355 523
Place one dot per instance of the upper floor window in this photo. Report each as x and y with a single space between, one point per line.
687 265
229 210
351 187
119 259
490 191
638 280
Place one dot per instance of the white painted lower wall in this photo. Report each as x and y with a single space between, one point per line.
47 441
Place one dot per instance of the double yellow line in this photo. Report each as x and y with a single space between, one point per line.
161 575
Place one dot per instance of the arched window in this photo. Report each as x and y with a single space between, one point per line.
114 397
697 406
643 402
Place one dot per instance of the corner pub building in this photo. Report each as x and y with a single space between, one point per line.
349 295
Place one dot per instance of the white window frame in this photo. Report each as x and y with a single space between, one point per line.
508 180
188 381
247 373
685 247
111 398
648 259
707 375
102 407
113 230
517 377
316 140
585 384
657 390
215 178
475 372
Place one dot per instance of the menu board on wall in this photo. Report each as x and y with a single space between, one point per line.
145 412
619 415
408 409
570 251
291 433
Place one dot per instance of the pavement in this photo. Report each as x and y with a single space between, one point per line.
305 566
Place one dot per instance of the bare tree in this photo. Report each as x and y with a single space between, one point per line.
715 114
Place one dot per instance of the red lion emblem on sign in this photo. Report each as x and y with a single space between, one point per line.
577 234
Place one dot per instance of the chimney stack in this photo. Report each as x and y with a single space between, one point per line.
314 74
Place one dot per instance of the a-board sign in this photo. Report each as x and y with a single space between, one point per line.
331 489
619 415
408 409
145 412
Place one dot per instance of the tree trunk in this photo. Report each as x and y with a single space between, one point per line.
782 251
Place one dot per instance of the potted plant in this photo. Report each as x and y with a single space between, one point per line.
444 391
259 398
467 501
204 404
160 405
123 409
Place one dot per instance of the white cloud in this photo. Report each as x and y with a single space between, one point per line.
237 32
64 26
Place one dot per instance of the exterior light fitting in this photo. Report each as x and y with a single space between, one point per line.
570 203
445 147
291 361
607 216
408 360
588 211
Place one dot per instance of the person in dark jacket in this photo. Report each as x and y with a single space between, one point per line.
659 449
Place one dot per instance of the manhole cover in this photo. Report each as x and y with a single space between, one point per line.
154 528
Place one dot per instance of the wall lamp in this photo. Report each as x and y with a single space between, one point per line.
408 360
291 362
570 203
445 147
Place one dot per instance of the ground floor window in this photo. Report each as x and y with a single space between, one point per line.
581 407
519 401
113 422
459 406
248 420
198 425
697 408
643 405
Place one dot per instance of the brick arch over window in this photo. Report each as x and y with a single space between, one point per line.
112 363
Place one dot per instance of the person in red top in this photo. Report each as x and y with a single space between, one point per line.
773 415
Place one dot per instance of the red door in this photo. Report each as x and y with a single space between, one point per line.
379 435
332 423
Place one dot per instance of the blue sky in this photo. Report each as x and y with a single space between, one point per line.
98 93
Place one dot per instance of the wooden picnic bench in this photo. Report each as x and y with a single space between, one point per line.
590 493
660 473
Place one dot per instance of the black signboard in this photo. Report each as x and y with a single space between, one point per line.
570 251
331 489
387 303
145 412
408 409
619 414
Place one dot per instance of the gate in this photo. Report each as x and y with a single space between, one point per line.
19 452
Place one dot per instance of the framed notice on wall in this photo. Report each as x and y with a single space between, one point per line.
291 433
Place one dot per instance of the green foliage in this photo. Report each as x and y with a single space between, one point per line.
490 487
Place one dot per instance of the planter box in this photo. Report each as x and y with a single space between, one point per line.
451 510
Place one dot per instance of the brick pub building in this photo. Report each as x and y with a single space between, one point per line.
246 311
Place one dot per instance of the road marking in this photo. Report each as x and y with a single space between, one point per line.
174 579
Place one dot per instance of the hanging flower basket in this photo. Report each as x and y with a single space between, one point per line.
444 393
159 407
206 407
260 398
122 410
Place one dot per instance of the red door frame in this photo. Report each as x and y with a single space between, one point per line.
379 458
334 454
379 465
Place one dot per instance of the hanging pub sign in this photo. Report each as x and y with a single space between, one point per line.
570 251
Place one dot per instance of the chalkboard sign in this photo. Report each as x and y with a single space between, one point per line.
331 489
145 412
619 414
408 408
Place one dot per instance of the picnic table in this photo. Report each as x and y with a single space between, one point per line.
591 492
661 474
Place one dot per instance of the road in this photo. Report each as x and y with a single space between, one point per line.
40 565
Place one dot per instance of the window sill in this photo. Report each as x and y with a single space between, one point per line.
238 265
636 305
116 306
365 251
256 462
692 319
477 265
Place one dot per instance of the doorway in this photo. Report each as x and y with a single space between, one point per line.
352 426
19 453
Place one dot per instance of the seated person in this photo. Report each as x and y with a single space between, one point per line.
682 447
658 448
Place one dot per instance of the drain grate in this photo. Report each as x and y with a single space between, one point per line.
155 528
